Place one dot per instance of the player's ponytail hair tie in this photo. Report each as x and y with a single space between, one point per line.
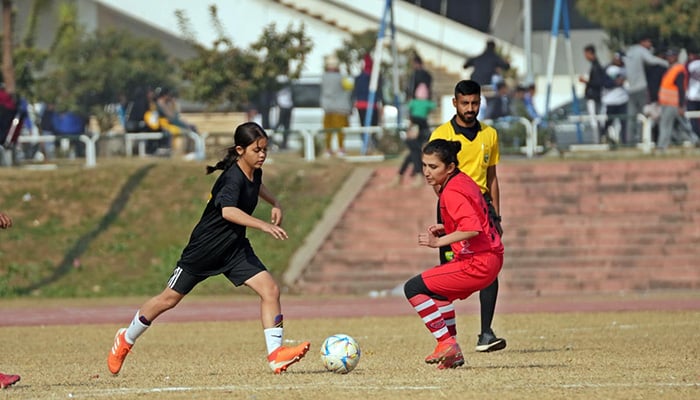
244 135
226 162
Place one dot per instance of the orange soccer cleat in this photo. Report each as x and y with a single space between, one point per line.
119 351
283 356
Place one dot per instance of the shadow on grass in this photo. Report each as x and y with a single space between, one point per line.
84 241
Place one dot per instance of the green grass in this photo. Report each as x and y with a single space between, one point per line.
119 229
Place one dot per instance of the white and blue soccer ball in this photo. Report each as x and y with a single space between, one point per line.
340 353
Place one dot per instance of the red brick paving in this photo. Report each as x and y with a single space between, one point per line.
236 309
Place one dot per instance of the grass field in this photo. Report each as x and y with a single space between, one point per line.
88 237
75 229
630 355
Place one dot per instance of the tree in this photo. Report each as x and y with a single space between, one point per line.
8 69
86 71
671 22
226 74
353 50
279 54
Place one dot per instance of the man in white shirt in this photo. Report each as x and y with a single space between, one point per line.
615 98
693 93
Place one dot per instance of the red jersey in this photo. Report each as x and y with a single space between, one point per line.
463 208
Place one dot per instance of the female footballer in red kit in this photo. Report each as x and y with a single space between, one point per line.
475 242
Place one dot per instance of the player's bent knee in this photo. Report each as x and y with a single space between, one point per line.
414 286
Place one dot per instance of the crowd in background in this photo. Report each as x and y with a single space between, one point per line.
661 84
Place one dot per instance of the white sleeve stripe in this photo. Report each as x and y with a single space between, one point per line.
173 279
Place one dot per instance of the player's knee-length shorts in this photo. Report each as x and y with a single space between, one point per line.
461 277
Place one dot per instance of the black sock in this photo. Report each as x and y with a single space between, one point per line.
487 298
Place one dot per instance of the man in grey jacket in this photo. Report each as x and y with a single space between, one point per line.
637 56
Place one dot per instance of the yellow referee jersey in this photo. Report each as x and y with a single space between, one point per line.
476 155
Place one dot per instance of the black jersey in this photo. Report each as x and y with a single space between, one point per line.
216 244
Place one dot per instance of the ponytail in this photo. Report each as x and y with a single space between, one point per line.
244 135
224 164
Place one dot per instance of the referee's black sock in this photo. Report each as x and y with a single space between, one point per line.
487 298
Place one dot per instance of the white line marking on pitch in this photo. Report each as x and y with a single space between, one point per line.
256 388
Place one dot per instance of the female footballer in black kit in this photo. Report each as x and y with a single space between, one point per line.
218 245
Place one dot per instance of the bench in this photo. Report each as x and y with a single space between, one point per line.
141 138
88 140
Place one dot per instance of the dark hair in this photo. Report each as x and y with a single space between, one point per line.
467 87
446 150
245 134
590 48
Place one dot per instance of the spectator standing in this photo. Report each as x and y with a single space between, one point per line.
488 67
615 98
285 103
693 93
654 73
594 86
499 105
636 58
360 97
419 75
8 110
418 109
672 97
336 91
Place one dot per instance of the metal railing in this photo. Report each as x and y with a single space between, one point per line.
89 141
309 137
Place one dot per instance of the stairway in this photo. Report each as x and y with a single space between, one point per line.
603 226
374 246
570 227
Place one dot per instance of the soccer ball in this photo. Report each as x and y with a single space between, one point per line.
340 353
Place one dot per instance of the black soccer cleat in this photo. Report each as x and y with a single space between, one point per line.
489 342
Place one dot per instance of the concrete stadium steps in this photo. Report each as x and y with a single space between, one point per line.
374 246
570 227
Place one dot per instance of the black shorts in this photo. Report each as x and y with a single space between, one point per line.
183 281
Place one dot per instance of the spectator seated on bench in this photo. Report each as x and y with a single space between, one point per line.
142 116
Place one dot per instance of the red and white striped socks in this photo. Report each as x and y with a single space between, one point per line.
428 310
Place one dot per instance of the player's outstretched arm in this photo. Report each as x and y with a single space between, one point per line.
238 216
